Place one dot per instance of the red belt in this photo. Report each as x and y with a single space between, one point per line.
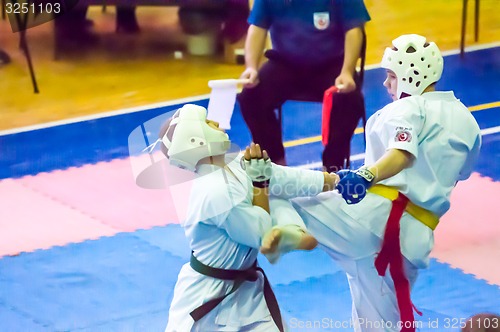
390 255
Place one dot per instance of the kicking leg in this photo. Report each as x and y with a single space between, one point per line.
289 232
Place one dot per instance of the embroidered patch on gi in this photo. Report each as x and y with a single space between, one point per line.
321 20
403 136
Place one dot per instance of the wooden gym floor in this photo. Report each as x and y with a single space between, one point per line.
124 71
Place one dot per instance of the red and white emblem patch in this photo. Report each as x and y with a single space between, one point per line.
403 136
321 20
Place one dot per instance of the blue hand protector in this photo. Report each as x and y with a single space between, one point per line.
354 184
342 173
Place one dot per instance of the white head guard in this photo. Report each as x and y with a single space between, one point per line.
416 63
189 138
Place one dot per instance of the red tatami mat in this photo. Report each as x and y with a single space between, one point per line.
107 192
31 220
468 236
74 205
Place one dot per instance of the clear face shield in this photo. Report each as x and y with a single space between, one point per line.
153 170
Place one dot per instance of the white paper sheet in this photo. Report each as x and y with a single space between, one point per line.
222 101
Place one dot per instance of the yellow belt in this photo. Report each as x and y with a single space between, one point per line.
426 217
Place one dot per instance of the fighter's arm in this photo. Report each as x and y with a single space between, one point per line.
287 182
391 163
247 224
471 159
292 235
244 221
399 130
354 184
260 189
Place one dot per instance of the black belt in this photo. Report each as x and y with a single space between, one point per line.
239 276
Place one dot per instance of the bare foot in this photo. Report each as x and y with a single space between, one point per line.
271 241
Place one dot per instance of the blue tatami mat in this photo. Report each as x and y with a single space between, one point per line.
88 284
125 283
445 296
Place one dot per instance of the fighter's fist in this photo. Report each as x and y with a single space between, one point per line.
353 184
342 173
257 165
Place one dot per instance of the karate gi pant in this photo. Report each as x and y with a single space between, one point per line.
354 247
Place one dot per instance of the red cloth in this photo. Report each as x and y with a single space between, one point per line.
326 111
390 255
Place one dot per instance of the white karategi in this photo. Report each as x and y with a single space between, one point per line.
442 135
225 231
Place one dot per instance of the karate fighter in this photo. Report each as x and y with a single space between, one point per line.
223 288
381 232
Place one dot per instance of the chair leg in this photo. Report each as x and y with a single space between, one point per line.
2 8
476 21
464 23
